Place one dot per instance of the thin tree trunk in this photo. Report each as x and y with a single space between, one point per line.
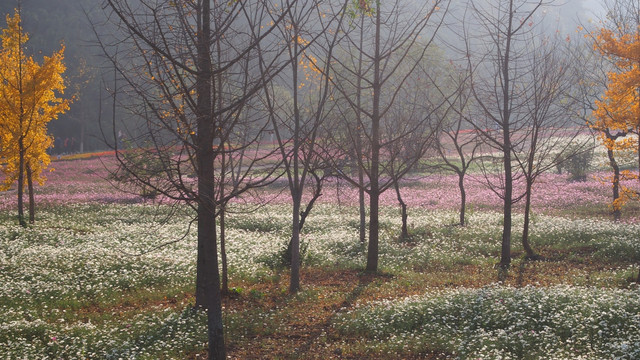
616 185
223 210
463 198
403 206
223 169
372 249
296 180
294 284
363 209
316 195
223 253
207 266
21 148
505 256
525 231
301 220
32 202
211 278
361 192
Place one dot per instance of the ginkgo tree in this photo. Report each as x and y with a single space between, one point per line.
30 97
617 113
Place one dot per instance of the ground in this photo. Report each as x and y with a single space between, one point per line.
82 283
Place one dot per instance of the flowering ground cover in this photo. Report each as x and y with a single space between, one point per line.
105 274
497 322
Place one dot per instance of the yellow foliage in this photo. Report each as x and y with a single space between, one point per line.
309 65
29 99
617 114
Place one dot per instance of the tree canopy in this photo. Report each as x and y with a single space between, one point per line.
29 100
617 113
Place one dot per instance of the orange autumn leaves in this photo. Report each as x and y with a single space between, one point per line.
309 65
618 112
620 107
29 99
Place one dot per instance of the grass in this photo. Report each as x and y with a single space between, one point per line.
78 276
79 284
503 322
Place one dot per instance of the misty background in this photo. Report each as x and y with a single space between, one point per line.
85 126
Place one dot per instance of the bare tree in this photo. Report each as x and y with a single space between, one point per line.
458 149
457 145
378 56
497 55
189 74
296 103
555 119
521 83
243 163
417 115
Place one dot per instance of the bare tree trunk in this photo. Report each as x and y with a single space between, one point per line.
223 210
361 192
372 249
616 184
223 253
403 206
463 198
207 244
505 255
294 284
208 263
32 202
207 267
317 192
361 201
21 147
295 183
525 231
301 220
374 195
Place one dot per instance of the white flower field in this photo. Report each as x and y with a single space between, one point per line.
115 280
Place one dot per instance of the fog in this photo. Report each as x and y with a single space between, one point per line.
52 22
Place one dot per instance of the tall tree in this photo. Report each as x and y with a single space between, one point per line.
457 146
617 112
190 70
29 100
497 55
311 36
51 23
554 120
384 49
